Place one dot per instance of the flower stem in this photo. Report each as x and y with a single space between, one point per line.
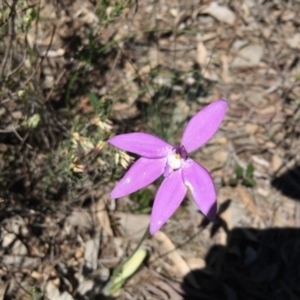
144 237
114 283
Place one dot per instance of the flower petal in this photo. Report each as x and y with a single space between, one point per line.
168 198
203 125
143 172
144 144
199 181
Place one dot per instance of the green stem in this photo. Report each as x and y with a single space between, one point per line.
144 237
113 285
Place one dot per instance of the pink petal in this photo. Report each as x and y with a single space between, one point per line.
143 172
203 125
168 198
144 144
199 181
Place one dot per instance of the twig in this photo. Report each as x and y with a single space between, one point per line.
14 130
136 6
42 59
18 66
11 23
56 83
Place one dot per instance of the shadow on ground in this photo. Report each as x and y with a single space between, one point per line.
289 183
255 264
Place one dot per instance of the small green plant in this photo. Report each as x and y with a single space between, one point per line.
32 122
35 293
142 202
245 177
108 10
86 147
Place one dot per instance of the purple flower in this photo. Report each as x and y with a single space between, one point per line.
180 171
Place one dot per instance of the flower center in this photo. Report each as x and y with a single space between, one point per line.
176 159
180 150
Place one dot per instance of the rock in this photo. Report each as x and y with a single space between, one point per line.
276 162
248 56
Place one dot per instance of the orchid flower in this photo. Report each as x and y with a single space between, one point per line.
180 171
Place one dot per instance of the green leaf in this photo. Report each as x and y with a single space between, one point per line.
94 99
249 182
128 269
35 293
34 121
250 171
239 172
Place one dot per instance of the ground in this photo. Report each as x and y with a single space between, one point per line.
75 73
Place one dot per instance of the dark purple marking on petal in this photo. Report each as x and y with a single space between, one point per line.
180 150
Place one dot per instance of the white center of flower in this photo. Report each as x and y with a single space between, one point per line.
174 161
